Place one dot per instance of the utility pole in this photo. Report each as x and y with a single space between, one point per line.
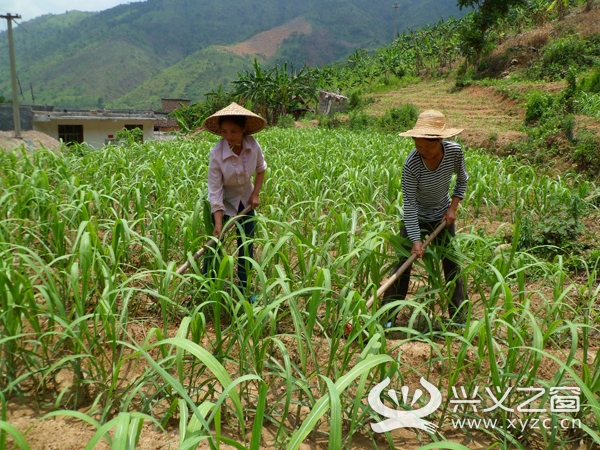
13 74
395 15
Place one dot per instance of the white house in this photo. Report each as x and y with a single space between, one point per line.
94 127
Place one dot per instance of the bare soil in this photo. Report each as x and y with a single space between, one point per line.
265 44
478 110
482 112
65 433
489 120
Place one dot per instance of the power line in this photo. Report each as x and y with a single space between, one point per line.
27 38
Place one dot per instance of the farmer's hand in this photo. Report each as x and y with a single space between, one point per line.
254 200
218 216
217 229
450 216
417 249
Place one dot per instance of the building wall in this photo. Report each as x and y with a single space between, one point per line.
96 132
330 103
7 122
171 104
25 114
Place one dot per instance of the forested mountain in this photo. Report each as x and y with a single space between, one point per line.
134 54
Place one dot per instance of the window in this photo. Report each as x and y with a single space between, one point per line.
70 134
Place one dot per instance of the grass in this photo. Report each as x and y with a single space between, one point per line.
471 110
588 104
87 240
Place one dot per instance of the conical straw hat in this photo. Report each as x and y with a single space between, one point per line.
254 123
431 124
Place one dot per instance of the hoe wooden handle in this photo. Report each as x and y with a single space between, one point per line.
385 286
230 223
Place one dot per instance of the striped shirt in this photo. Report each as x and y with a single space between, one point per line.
425 192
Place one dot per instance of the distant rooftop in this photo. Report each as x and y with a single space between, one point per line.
44 113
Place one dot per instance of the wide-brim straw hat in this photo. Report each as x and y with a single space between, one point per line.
431 124
254 123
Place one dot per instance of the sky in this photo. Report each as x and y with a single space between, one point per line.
29 9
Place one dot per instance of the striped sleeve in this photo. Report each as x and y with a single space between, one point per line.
460 188
409 195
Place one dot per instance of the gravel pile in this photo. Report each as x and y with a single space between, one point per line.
32 140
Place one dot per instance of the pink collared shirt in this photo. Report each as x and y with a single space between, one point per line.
230 175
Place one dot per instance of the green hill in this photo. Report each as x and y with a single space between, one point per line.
197 74
133 54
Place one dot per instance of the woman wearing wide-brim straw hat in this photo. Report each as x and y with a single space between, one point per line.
232 163
254 123
426 176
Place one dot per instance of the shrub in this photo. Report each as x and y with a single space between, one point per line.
130 136
567 52
326 121
357 100
464 79
360 120
538 106
462 82
591 82
559 229
399 118
568 125
586 150
310 115
286 121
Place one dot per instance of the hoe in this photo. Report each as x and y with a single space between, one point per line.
385 286
185 266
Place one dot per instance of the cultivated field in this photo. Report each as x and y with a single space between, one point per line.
101 342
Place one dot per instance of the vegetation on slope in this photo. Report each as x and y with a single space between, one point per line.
533 48
187 79
166 32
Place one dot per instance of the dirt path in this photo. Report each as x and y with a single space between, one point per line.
489 119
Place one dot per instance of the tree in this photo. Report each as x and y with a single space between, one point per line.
485 15
276 91
189 118
131 136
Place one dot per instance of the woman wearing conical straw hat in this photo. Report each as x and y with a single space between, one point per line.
426 176
232 163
